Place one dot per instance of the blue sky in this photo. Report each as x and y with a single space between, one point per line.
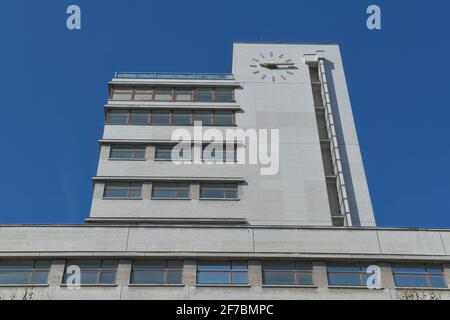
53 87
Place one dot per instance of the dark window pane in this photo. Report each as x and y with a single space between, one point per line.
86 265
224 118
109 264
143 94
174 277
89 277
42 264
239 265
107 277
231 194
211 194
163 152
121 152
304 279
203 94
182 118
278 265
16 265
139 117
39 277
438 282
118 117
344 279
139 152
205 117
224 95
149 265
239 278
409 269
410 281
344 267
279 278
435 270
122 93
213 277
11 277
175 264
148 277
160 118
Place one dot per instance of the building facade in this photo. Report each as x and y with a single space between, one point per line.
268 201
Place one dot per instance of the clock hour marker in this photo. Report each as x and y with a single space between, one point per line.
273 78
271 54
255 72
290 72
283 77
253 66
254 59
280 56
263 76
288 60
262 56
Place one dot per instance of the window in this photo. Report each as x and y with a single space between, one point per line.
139 117
143 94
26 272
218 191
224 95
182 118
157 272
205 117
122 189
204 94
222 272
163 152
347 274
118 117
287 273
161 118
224 118
219 152
131 151
163 94
122 93
429 276
170 190
183 94
92 271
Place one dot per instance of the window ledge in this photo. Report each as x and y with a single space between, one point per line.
219 285
353 287
120 198
288 286
155 285
422 288
170 198
218 199
6 285
125 159
86 285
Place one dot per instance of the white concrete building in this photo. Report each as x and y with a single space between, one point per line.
207 230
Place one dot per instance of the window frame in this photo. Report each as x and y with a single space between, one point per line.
361 273
99 271
133 151
427 275
178 190
129 190
33 270
166 270
296 272
225 190
229 272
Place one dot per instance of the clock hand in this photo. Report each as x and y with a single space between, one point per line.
274 65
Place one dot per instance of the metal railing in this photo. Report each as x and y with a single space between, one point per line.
174 75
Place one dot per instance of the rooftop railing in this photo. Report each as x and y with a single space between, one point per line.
172 75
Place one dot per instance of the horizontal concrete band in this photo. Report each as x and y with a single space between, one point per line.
242 241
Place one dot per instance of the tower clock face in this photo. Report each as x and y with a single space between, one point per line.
275 67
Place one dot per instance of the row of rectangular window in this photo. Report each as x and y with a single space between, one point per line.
232 272
146 93
170 190
210 152
171 117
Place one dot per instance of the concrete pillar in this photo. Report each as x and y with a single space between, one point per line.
387 278
446 267
146 192
150 152
320 274
254 273
190 273
195 190
105 150
99 187
124 272
56 274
